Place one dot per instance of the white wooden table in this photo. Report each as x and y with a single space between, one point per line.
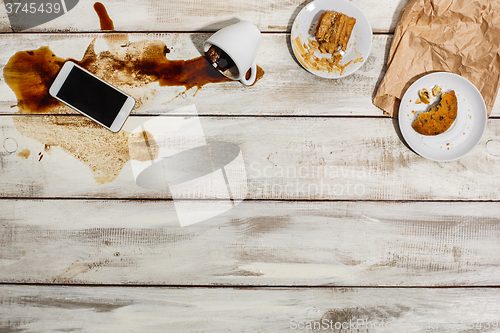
400 244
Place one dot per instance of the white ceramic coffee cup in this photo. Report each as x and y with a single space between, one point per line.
240 42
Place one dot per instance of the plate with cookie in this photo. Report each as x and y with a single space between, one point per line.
442 116
331 38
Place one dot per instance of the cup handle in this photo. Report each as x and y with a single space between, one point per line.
253 75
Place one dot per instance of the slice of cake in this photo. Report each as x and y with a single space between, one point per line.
439 118
333 31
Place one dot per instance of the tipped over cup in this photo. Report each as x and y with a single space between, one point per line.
233 50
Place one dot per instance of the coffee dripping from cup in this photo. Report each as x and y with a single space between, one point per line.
233 49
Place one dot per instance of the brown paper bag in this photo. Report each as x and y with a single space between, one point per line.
458 36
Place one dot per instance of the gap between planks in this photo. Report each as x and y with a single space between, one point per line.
248 200
149 32
215 115
242 287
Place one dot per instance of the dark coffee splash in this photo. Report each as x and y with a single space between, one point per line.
127 64
104 19
130 66
30 74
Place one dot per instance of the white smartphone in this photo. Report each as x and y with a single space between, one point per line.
91 96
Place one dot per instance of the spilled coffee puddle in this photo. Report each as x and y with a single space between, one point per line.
129 66
104 19
104 152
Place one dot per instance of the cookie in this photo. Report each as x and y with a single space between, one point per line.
439 118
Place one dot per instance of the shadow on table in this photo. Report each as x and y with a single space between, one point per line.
395 124
289 29
210 29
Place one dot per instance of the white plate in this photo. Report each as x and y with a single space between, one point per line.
360 42
467 129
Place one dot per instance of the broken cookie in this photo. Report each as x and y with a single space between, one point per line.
439 118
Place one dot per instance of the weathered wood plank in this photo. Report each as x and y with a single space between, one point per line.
49 309
256 243
191 15
285 158
285 89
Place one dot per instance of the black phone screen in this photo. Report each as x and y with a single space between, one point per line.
91 96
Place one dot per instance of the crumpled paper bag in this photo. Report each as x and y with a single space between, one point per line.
458 36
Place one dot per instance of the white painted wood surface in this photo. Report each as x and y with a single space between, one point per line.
258 243
334 199
307 158
285 89
246 310
192 15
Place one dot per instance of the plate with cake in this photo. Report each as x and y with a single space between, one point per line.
442 116
331 38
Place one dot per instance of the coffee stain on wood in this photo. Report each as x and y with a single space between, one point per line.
277 27
103 151
129 66
143 146
25 153
30 74
126 65
104 19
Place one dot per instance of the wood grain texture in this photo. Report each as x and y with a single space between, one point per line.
42 309
256 243
285 89
285 158
380 215
192 15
